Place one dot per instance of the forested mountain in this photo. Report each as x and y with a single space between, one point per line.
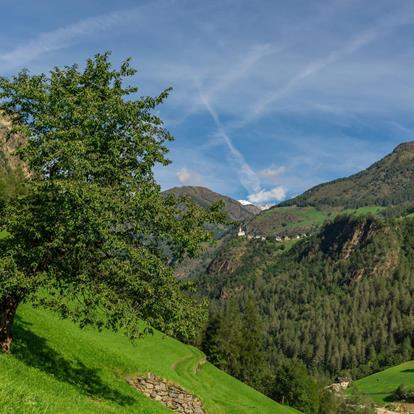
387 182
341 301
205 198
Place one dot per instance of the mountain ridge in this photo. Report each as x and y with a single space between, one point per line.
386 182
204 197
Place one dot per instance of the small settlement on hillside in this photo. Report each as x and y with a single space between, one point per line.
279 238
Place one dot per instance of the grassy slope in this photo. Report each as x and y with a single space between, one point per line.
296 220
281 220
381 385
58 368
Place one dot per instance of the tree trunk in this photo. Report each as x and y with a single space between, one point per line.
8 307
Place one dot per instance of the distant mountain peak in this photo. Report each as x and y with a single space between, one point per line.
405 147
204 197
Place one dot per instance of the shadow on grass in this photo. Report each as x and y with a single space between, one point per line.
408 370
34 351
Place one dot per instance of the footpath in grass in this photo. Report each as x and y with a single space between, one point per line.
58 368
380 386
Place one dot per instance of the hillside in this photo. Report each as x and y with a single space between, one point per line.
341 300
297 221
205 197
286 221
389 181
380 386
57 368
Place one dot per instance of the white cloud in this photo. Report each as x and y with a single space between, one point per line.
272 172
66 36
188 177
263 196
244 202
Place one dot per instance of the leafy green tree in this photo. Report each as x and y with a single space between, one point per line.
223 338
234 342
294 386
91 237
253 360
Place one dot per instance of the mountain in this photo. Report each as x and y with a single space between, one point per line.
56 367
338 292
341 300
205 197
389 181
252 208
387 186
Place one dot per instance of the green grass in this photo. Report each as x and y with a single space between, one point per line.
3 234
292 216
381 385
57 368
298 220
282 220
362 211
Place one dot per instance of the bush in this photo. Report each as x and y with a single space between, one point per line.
403 393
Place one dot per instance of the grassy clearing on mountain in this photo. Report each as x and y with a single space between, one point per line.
380 386
286 221
57 368
364 210
295 220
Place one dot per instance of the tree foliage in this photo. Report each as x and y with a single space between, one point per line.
234 342
91 236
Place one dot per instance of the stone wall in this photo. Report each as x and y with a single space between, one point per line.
171 395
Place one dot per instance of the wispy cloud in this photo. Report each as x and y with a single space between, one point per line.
273 172
325 79
66 36
248 177
236 72
215 85
381 28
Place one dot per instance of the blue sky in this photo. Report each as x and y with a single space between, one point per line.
270 97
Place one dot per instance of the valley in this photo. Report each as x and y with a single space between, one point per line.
330 272
118 297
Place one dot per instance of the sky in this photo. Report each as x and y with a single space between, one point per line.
269 97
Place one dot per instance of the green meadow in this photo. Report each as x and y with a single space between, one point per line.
381 385
55 367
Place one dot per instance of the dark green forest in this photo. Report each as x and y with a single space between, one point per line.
340 302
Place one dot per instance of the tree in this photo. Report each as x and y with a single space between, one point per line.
223 338
294 386
253 361
91 236
234 342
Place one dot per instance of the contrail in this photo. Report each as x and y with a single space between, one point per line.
382 28
66 36
248 177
